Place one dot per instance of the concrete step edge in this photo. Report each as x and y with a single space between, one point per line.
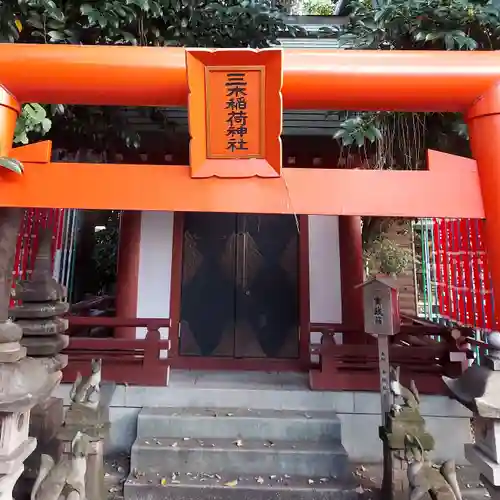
237 413
231 445
248 482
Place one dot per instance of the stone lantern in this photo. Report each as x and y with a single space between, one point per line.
479 390
23 384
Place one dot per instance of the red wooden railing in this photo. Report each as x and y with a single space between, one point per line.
421 358
132 362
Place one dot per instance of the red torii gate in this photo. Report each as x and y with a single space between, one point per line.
323 79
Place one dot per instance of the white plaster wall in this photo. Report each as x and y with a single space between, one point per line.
155 268
324 272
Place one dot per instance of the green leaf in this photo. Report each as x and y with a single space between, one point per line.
432 36
35 21
12 164
56 36
128 37
46 125
378 134
360 139
86 8
35 112
347 140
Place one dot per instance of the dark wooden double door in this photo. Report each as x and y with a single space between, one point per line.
240 294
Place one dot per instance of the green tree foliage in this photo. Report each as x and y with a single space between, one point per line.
397 140
318 7
390 140
105 253
193 23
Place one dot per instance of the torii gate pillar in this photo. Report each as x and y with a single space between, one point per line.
483 119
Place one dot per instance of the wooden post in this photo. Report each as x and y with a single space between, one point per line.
127 280
351 275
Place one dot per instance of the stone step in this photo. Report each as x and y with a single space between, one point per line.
239 457
227 487
315 426
279 391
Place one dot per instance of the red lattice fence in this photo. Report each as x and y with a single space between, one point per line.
462 282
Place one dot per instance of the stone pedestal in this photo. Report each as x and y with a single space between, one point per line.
94 477
408 421
10 347
479 390
43 329
484 454
94 423
40 305
15 444
45 422
7 483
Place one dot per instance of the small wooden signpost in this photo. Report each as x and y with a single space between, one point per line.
381 315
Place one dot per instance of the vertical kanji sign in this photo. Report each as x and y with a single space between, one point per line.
235 126
235 112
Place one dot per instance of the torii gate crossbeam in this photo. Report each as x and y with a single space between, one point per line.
323 79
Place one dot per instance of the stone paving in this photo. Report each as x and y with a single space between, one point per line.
368 476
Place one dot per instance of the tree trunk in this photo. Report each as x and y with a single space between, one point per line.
10 222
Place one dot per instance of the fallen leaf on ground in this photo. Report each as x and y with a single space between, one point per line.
163 481
231 483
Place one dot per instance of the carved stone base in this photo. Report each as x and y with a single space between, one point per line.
394 480
9 464
34 310
94 477
483 464
493 490
395 474
10 332
8 481
13 356
13 432
45 346
93 422
46 420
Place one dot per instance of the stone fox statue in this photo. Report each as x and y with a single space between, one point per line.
410 397
441 484
85 390
66 479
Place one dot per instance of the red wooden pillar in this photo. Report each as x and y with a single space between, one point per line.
127 281
484 129
351 275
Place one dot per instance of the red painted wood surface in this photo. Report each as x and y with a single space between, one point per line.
132 362
422 359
